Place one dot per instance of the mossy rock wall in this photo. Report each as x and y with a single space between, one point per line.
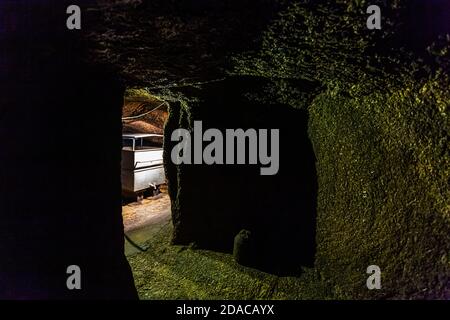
382 172
378 123
383 168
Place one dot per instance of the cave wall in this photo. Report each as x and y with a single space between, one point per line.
382 162
379 196
378 123
60 190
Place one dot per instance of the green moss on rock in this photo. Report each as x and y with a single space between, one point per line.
383 167
380 129
378 121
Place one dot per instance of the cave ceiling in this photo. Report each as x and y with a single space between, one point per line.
163 43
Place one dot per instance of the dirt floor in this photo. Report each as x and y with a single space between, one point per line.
165 271
143 219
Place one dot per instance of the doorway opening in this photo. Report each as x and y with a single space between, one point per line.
145 200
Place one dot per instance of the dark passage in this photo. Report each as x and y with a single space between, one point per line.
220 200
60 192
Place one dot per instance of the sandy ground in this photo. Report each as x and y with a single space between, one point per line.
143 219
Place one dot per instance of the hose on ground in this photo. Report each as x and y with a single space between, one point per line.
134 244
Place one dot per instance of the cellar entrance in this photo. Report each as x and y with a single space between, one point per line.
145 201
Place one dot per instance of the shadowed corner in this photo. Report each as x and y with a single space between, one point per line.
277 211
282 238
58 205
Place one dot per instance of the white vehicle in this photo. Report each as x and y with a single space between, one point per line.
142 163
